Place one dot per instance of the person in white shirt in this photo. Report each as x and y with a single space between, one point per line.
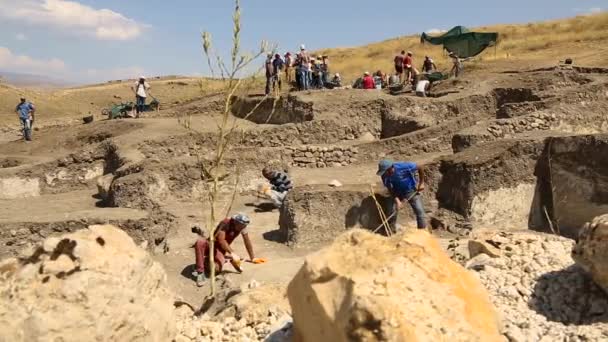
141 89
422 88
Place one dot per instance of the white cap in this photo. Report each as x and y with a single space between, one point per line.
142 77
302 47
366 73
337 75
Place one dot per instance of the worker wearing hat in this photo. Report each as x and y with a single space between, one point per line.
141 89
400 180
304 68
225 233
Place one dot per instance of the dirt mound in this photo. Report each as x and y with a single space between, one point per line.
313 215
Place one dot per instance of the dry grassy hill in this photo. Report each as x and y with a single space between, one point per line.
583 38
59 104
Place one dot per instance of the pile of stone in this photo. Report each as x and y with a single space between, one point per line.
534 283
190 328
319 157
534 122
255 313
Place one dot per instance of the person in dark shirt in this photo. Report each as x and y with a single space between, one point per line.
277 67
280 185
399 59
428 65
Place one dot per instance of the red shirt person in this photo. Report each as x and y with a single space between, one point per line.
408 67
368 81
225 233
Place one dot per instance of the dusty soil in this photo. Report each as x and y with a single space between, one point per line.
484 140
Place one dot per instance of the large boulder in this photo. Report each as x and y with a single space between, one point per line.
591 251
92 285
366 287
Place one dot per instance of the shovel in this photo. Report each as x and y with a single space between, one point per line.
395 212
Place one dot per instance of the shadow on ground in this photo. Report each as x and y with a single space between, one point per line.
261 207
569 296
275 236
187 272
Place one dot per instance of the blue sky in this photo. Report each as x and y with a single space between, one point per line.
95 40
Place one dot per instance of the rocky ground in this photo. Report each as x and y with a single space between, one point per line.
539 291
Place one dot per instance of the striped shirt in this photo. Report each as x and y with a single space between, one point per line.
280 181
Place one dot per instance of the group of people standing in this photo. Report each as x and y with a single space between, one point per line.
310 72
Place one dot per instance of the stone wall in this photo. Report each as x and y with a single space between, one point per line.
326 156
270 110
502 129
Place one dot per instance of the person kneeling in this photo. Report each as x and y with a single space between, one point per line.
280 185
225 233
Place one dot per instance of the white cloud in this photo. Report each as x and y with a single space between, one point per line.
588 11
73 17
435 31
56 68
20 37
120 73
10 61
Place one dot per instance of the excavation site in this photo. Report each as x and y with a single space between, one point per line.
107 221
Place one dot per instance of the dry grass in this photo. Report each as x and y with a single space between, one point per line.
76 102
584 38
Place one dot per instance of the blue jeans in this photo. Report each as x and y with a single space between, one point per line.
27 128
140 104
417 206
305 79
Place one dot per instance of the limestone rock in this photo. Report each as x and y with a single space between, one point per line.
540 293
591 251
335 183
92 285
367 287
103 186
477 247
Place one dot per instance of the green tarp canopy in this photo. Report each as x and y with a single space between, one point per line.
463 42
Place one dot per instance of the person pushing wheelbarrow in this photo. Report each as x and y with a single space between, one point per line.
400 180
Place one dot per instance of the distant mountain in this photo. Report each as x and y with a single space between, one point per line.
30 80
